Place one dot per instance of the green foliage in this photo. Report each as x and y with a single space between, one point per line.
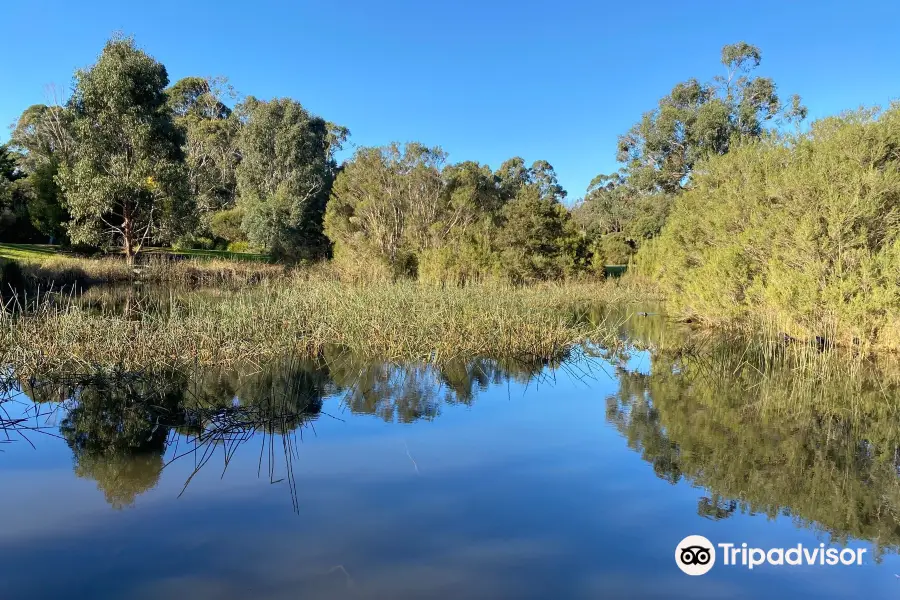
211 132
803 229
402 212
193 243
239 247
285 175
44 136
531 240
15 190
616 219
126 183
696 119
226 224
384 205
659 153
612 249
46 207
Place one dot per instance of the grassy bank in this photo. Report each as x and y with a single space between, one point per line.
304 314
50 266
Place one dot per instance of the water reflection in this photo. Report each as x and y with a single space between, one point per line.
124 428
825 453
736 421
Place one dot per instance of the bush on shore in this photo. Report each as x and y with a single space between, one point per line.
801 231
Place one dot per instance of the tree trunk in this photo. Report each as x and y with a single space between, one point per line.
128 238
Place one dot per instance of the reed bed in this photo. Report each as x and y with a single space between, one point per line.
401 321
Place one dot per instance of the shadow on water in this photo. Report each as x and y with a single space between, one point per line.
735 420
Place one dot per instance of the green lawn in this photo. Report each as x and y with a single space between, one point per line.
222 254
38 252
27 252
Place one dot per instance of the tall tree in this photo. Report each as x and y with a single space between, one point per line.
695 119
385 202
536 226
14 220
126 183
285 175
211 142
44 136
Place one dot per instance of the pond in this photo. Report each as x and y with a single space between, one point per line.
344 477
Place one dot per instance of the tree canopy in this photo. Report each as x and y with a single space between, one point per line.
285 174
126 181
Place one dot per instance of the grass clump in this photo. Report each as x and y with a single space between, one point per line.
802 231
305 315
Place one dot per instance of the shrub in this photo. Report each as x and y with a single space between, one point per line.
226 224
194 243
802 230
239 247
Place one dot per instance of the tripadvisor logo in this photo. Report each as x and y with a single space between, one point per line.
696 555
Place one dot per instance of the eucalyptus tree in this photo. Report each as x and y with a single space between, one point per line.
211 151
465 232
43 134
8 174
536 227
126 182
695 119
285 175
385 203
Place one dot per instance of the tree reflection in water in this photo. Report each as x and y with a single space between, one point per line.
738 421
124 428
823 450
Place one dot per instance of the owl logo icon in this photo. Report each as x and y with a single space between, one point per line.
695 555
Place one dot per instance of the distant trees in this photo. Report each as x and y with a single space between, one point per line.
384 205
696 119
43 135
126 182
211 135
457 223
130 160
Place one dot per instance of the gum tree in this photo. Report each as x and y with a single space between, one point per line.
126 183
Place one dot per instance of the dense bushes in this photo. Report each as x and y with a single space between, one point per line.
399 212
802 230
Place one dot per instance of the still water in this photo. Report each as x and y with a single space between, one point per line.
349 478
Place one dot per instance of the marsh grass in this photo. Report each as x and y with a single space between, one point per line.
61 271
303 314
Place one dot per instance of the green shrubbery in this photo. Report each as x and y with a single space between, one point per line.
801 230
399 212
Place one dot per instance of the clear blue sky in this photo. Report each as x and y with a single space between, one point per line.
485 80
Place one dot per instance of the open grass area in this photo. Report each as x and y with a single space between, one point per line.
54 266
28 252
210 254
39 252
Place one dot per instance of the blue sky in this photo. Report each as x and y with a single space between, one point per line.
485 80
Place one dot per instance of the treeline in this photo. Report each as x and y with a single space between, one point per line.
129 160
